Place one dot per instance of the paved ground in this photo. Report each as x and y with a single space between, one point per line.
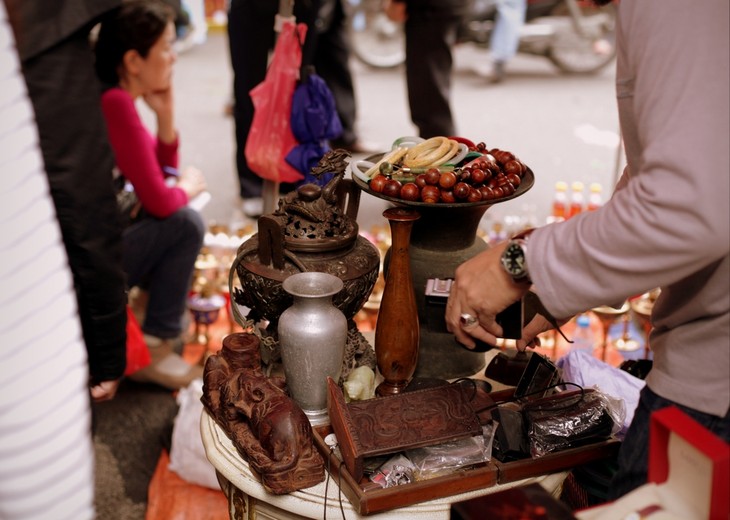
564 127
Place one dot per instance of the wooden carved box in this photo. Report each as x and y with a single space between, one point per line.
397 422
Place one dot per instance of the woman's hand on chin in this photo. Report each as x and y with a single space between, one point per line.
161 102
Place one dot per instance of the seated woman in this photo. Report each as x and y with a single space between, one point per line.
134 58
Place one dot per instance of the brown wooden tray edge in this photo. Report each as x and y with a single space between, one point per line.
382 499
556 462
494 472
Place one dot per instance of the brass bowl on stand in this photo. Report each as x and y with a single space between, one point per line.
205 310
607 315
642 308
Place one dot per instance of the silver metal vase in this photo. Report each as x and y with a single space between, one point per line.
312 336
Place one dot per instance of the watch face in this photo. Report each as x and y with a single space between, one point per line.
513 260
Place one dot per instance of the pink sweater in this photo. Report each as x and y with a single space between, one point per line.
140 156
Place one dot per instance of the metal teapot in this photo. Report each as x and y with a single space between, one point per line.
312 229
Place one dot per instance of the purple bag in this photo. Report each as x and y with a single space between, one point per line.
314 121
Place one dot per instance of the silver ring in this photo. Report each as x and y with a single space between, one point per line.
467 320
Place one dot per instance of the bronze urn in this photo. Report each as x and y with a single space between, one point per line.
312 229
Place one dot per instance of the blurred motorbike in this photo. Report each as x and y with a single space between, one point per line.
575 35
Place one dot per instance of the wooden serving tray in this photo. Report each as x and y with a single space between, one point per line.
398 422
368 497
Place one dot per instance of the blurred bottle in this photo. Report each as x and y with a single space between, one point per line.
583 337
577 200
528 219
560 201
595 197
497 233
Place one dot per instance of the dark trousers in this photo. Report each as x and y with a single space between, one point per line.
633 457
429 40
251 37
331 58
159 255
78 159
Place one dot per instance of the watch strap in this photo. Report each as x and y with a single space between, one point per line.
522 237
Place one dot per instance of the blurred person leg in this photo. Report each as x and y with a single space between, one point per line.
196 10
506 35
332 62
46 455
161 253
250 37
78 160
429 63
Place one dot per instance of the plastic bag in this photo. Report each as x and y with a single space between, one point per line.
314 122
572 420
187 454
396 471
270 138
314 114
138 355
585 370
447 457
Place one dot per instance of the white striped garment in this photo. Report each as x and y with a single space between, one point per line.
46 455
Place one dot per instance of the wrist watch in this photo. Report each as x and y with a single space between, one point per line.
514 259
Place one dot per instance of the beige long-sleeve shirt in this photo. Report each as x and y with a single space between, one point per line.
669 224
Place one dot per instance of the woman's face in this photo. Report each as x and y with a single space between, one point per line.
155 73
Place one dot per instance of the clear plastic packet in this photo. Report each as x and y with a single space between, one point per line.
441 459
396 471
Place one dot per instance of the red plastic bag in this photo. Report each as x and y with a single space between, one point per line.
138 355
270 138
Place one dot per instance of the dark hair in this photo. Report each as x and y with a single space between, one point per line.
136 25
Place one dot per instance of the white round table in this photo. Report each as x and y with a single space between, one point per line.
247 498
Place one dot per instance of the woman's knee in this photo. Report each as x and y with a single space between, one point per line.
190 223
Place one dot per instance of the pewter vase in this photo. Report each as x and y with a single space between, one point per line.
312 336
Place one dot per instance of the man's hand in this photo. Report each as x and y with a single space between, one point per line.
104 391
537 325
481 289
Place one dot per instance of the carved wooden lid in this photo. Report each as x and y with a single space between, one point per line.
397 422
